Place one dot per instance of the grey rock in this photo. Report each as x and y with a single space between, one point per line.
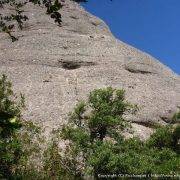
55 67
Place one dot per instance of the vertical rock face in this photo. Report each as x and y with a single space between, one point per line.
57 66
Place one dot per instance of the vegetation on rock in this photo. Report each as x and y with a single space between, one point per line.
176 118
94 142
16 136
94 132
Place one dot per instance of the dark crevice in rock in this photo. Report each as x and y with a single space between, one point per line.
152 125
138 71
136 66
74 17
65 64
166 119
171 121
70 65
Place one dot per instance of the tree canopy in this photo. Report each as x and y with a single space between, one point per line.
95 135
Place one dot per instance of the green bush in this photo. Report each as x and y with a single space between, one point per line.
10 148
163 137
107 107
95 145
53 165
176 118
90 123
166 137
94 133
16 136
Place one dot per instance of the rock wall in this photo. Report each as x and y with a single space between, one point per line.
55 67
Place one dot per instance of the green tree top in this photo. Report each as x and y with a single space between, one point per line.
94 133
103 112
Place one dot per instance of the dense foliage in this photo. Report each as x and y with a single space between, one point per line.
94 131
94 142
176 118
15 146
10 149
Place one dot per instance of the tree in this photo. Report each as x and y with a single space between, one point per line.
95 144
98 149
90 123
10 113
16 135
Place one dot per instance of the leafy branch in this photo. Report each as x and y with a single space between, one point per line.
16 17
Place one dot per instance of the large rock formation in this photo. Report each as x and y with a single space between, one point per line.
55 67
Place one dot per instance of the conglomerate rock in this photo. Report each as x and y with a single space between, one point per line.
55 67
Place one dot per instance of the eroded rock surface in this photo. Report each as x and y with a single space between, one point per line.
55 67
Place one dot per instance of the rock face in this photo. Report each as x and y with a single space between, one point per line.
55 67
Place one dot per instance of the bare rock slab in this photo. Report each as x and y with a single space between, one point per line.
55 67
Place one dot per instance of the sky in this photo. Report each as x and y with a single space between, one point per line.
152 26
